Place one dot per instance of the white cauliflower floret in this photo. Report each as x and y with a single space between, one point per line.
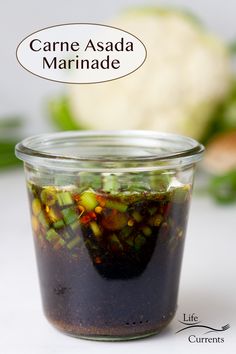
186 74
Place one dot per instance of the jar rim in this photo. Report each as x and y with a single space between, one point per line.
113 150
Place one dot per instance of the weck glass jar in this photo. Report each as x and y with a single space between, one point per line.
109 211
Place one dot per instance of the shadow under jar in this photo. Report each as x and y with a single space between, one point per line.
109 212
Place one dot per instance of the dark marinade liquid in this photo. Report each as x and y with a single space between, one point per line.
122 282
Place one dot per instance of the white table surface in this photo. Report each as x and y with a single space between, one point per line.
208 284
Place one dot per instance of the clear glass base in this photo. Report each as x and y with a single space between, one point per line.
117 339
110 333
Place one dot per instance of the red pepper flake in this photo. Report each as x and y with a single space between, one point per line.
92 215
101 200
85 219
98 260
76 197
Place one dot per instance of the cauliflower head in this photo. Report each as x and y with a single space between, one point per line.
187 73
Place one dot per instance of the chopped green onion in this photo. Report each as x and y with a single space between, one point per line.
113 204
64 198
59 224
48 196
138 187
147 230
42 219
130 241
139 242
110 183
95 228
54 214
36 206
136 182
137 216
91 245
69 215
31 189
59 244
52 235
160 181
74 242
75 225
64 180
115 242
88 200
125 232
90 180
181 194
66 235
152 210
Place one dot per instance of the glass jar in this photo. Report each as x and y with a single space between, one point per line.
109 211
